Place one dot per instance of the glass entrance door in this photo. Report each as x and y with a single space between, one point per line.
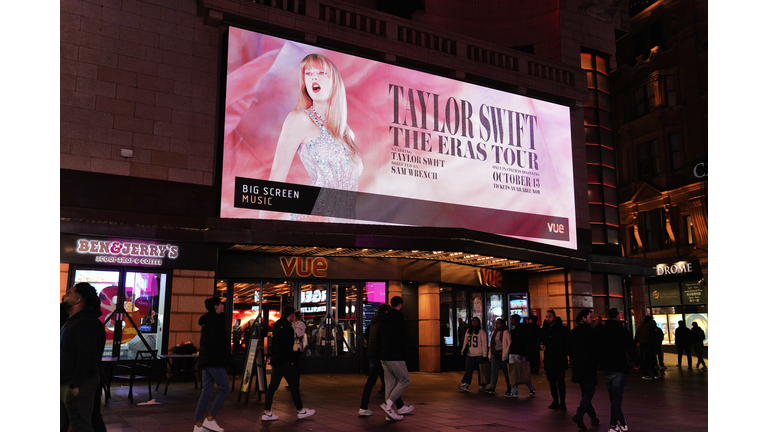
330 311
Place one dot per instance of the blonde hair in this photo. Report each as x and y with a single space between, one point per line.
337 104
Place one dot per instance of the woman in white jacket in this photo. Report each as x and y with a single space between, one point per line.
498 354
476 348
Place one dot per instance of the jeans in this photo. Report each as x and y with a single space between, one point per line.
496 364
374 371
587 393
396 379
291 375
616 381
209 376
683 349
472 362
77 410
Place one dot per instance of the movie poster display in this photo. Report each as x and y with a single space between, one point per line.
381 144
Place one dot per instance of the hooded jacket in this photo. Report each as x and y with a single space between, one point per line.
614 343
214 341
393 335
374 338
81 343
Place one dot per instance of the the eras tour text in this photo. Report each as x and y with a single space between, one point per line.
450 128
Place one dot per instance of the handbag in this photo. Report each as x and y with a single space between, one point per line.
519 370
484 374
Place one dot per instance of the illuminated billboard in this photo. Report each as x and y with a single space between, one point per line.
315 135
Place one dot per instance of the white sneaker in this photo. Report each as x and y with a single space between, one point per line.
306 412
623 427
613 429
268 417
363 412
212 425
464 387
198 429
389 409
405 409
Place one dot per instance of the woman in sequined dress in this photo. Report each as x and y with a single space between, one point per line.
317 130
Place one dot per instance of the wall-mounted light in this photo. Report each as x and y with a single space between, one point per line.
126 153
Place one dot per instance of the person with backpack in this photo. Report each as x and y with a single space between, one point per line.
683 343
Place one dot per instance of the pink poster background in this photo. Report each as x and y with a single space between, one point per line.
263 87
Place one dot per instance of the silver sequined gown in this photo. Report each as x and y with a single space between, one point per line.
329 167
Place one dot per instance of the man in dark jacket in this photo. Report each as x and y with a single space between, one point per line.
396 378
658 343
518 347
697 337
554 342
283 366
214 358
582 349
534 350
683 343
81 343
645 337
614 343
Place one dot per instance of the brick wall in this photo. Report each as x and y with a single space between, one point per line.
138 75
190 289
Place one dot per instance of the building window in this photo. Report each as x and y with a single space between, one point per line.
675 159
691 234
669 90
648 158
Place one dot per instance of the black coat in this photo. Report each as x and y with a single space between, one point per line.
518 337
81 344
214 341
614 343
374 338
282 342
683 337
582 349
393 336
555 339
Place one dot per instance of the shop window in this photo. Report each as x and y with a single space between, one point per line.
447 324
495 309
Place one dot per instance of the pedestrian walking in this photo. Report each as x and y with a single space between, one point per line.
554 343
498 355
517 349
283 367
614 344
396 378
658 344
475 347
698 336
375 370
215 356
81 344
683 340
534 350
645 337
582 351
299 344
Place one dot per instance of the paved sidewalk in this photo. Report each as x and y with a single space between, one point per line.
676 402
